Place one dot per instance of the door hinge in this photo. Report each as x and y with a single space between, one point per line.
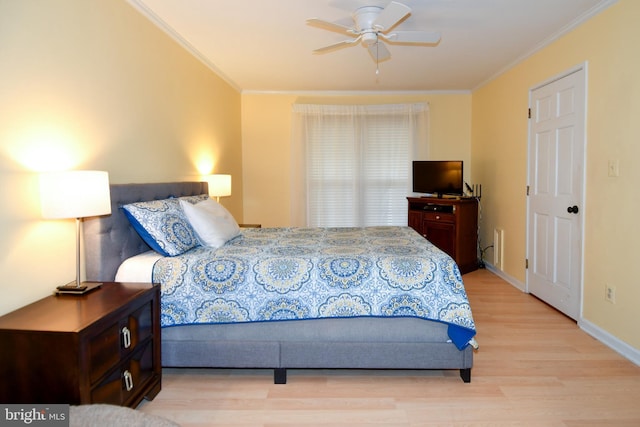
526 263
529 112
527 190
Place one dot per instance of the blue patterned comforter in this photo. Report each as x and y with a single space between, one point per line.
269 274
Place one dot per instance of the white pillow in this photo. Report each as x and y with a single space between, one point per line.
213 224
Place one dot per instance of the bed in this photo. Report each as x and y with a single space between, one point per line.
393 330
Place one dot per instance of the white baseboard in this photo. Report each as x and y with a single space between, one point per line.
511 280
610 341
595 331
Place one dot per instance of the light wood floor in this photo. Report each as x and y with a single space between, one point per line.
534 367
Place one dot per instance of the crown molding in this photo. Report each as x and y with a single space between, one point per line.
595 10
356 93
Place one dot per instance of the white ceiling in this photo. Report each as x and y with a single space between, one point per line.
260 45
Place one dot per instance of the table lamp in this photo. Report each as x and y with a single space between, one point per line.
75 194
219 185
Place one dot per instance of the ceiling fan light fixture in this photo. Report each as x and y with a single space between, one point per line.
369 37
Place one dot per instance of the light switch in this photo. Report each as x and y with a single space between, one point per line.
614 167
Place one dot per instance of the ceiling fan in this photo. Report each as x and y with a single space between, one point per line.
372 26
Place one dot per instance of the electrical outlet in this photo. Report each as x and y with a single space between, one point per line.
614 168
610 293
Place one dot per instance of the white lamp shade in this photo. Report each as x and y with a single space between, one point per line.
219 185
74 194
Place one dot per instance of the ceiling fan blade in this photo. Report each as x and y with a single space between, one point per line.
334 46
379 52
333 26
426 37
391 16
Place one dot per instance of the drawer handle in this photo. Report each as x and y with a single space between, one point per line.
126 337
128 380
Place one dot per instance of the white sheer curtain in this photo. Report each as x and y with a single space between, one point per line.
351 164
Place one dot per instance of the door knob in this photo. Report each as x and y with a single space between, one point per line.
572 209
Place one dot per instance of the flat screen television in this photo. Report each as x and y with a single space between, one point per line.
438 177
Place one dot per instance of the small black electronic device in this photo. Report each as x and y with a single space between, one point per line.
469 189
438 208
439 177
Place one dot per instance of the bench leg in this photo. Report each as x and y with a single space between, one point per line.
279 376
465 374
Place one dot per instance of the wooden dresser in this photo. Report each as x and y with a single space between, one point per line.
450 224
101 347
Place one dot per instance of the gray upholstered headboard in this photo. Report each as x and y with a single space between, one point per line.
110 239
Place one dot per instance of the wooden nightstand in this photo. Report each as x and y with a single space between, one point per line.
250 225
101 347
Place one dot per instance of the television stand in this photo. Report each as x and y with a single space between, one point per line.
449 223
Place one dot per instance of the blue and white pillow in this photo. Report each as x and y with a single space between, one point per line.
163 225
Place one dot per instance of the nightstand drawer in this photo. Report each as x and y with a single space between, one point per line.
115 342
104 352
128 380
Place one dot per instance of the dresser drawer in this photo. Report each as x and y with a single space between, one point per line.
114 343
439 216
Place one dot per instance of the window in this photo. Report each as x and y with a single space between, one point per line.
355 162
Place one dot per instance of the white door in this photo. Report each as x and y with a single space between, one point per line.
556 179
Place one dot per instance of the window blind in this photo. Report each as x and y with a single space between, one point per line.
357 161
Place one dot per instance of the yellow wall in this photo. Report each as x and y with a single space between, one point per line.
266 150
94 85
609 43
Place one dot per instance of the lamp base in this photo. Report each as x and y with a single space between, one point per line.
73 289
